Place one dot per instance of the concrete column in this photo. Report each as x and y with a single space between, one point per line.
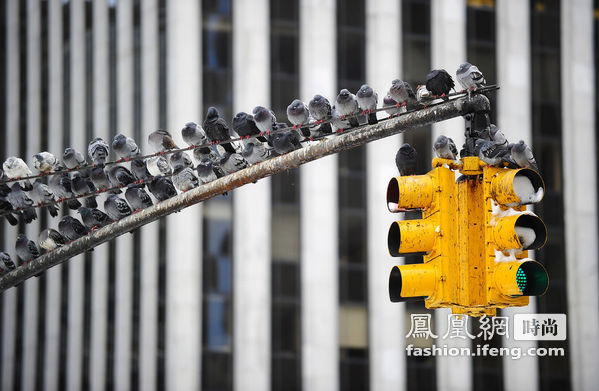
32 230
99 292
124 244
514 120
149 233
580 189
386 319
9 305
184 249
319 240
448 51
79 142
252 207
55 127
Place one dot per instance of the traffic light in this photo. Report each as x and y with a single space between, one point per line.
474 235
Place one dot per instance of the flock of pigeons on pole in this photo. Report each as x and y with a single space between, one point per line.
77 182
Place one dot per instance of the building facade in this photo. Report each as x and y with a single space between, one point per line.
282 284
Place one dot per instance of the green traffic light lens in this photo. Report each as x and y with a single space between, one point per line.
532 278
521 279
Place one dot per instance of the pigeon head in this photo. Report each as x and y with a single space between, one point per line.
212 113
98 148
318 99
441 141
261 113
38 159
241 116
69 153
11 163
296 107
519 147
83 211
191 125
389 101
344 95
22 239
407 150
464 67
365 91
119 141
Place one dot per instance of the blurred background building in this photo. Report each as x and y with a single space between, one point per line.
282 284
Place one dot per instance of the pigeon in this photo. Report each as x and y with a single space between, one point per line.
116 208
286 141
406 160
321 110
184 179
120 176
179 160
232 162
41 194
44 162
497 135
469 77
193 134
21 203
82 186
7 211
338 123
50 239
99 177
265 119
445 148
206 172
491 153
206 153
245 126
161 140
26 249
73 159
439 82
138 198
71 228
16 168
162 188
158 165
6 262
522 155
140 171
299 115
124 147
98 150
217 129
94 218
402 93
367 100
255 153
391 106
347 105
60 185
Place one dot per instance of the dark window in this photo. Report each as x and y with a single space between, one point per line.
354 369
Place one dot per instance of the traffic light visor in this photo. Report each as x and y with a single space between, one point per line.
517 187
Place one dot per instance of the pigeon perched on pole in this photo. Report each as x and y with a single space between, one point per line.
71 228
6 262
523 156
217 129
16 168
140 171
469 77
491 153
161 140
232 162
206 153
245 126
26 249
402 93
439 83
99 178
98 150
193 134
391 106
21 203
180 159
73 159
83 186
50 239
94 218
125 147
406 160
162 188
367 101
445 148
116 208
321 110
347 105
299 116
60 185
265 119
255 153
158 165
41 194
44 162
206 172
120 176
184 179
286 141
138 198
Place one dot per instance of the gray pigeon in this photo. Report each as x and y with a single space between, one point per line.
469 77
73 158
245 126
21 203
193 134
205 170
83 186
439 82
161 140
60 184
265 119
158 165
402 93
497 135
71 228
140 171
50 239
491 153
286 141
162 188
6 262
44 162
116 208
120 176
206 153
367 101
255 153
232 162
299 115
406 160
94 218
41 194
321 110
26 249
98 150
179 160
16 168
99 178
138 198
184 179
338 123
124 147
347 105
217 129
522 155
445 148
391 106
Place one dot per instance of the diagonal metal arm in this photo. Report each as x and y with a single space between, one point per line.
351 139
